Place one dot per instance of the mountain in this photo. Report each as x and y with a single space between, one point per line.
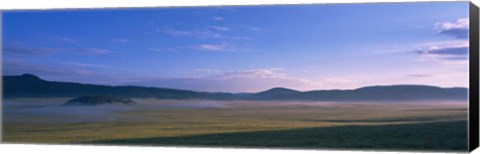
28 85
380 93
274 92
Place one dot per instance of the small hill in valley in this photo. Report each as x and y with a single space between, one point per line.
98 100
274 92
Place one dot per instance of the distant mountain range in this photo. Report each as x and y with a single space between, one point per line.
28 85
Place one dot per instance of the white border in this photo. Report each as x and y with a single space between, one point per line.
56 4
73 149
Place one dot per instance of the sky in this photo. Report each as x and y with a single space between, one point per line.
243 48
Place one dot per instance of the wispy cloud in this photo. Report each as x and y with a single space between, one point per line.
213 47
451 51
228 9
217 18
458 29
121 40
49 51
215 33
207 34
444 54
456 58
31 50
258 73
195 33
91 65
162 49
96 51
444 60
447 52
255 73
220 28
16 67
65 39
248 27
220 47
207 70
443 51
174 32
418 75
449 43
65 71
239 38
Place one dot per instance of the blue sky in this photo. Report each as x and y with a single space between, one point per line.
244 48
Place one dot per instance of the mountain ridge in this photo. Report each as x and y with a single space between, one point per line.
29 85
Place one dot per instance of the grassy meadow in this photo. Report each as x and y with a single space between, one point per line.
356 125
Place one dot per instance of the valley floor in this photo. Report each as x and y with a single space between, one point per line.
426 126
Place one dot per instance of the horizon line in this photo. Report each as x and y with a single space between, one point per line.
26 74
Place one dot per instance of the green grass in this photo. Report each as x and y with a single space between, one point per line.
256 124
425 136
